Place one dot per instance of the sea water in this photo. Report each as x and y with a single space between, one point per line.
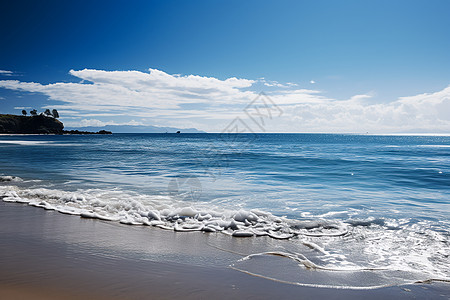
363 211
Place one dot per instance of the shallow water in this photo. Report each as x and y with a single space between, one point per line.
346 203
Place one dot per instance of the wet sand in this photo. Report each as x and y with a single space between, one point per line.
48 255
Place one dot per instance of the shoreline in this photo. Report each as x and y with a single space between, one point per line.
50 254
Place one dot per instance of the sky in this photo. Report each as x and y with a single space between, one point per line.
273 66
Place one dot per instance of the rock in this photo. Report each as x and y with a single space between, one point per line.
39 124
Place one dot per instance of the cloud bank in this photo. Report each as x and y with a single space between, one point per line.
208 103
424 113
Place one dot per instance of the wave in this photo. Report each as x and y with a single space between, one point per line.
409 250
37 143
164 212
435 146
298 272
10 178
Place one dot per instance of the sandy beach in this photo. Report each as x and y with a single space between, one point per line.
48 255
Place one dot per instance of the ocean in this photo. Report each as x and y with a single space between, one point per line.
370 210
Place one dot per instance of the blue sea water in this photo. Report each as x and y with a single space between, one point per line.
369 200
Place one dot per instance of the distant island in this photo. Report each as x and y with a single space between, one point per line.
138 129
37 124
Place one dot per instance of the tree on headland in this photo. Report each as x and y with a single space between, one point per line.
55 113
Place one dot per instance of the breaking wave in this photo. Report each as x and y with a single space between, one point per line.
375 251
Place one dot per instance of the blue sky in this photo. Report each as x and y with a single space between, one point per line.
331 66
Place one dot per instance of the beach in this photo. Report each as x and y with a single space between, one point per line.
48 255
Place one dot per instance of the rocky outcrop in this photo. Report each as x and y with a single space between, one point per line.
86 132
30 125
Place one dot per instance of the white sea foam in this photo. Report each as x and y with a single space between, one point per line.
435 146
36 143
298 272
167 213
25 143
345 245
10 178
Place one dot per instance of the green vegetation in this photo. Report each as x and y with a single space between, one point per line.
34 124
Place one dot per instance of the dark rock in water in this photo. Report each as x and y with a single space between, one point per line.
38 124
104 132
86 132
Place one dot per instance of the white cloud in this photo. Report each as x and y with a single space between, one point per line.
123 90
272 83
357 98
210 103
312 81
6 73
99 123
420 113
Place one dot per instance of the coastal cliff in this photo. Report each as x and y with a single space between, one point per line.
39 124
